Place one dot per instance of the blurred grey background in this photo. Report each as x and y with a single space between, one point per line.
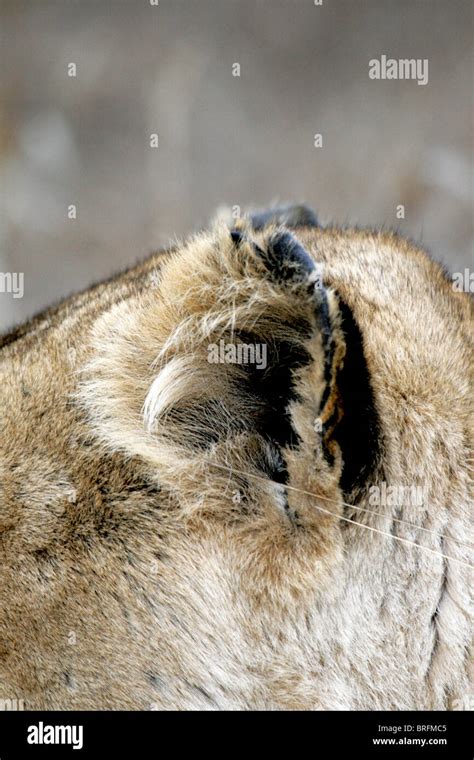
167 69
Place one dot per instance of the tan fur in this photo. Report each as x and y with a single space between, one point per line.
138 572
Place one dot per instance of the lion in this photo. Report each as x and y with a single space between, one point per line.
185 527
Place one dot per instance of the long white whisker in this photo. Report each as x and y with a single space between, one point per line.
227 468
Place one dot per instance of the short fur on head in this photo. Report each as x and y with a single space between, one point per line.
182 527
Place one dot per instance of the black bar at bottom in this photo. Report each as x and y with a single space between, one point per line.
150 734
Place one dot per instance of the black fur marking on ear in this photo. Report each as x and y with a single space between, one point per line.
323 318
292 216
358 432
237 236
273 465
286 259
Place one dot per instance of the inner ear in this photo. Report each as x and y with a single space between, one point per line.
358 433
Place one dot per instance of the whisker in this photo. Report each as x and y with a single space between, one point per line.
400 520
227 468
